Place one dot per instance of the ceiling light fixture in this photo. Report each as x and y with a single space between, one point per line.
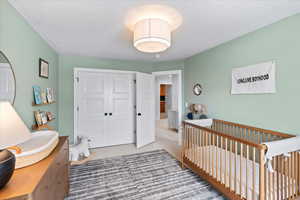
152 26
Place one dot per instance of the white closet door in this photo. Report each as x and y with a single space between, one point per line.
92 95
121 109
145 109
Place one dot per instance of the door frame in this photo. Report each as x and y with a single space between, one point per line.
75 88
180 88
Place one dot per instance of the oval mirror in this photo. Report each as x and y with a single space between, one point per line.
7 80
197 89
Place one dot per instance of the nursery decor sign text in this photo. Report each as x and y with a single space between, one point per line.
254 79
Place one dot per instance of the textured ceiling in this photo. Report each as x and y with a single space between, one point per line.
96 27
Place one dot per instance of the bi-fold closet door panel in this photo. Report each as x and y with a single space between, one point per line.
92 97
121 109
106 110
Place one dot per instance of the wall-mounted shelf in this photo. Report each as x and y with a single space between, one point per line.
36 127
42 104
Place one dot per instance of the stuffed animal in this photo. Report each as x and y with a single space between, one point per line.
80 149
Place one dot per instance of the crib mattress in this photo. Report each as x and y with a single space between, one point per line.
227 154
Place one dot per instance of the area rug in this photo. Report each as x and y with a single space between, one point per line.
153 175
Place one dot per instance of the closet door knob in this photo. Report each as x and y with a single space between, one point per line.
139 114
110 114
105 114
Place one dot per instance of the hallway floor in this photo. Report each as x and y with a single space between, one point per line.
165 139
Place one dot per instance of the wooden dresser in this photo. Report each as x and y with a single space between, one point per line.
45 180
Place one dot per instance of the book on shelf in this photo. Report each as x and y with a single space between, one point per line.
38 118
37 94
44 117
50 116
50 95
44 96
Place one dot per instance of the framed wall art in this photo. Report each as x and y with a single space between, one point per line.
43 68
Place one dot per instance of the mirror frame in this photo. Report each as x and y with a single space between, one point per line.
13 72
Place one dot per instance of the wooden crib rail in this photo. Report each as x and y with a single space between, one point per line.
260 130
231 137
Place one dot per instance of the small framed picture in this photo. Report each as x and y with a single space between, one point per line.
44 68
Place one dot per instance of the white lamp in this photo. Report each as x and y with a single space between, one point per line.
13 131
152 35
152 26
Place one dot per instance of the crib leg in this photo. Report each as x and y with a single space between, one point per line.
182 164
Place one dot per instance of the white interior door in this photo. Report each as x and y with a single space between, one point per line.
92 96
121 109
145 104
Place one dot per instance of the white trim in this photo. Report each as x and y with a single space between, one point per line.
75 72
180 88
171 72
103 70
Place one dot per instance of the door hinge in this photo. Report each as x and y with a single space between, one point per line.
134 81
77 79
77 108
134 106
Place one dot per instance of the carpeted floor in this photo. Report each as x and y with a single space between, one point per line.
153 175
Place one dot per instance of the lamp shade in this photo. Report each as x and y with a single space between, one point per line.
13 131
152 35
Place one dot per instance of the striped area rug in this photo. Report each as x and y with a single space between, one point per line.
153 175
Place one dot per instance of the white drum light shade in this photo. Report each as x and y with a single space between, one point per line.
152 35
13 131
152 26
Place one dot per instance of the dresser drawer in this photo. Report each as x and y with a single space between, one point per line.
55 184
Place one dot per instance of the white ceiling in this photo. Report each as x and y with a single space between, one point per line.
96 27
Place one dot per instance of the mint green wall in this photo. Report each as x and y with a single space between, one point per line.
212 68
23 47
68 63
168 65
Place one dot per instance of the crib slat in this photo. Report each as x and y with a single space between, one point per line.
217 157
294 183
212 155
261 175
292 174
230 161
282 177
273 178
289 177
202 150
254 174
235 167
225 173
277 174
298 173
188 140
221 160
270 185
192 144
198 149
208 152
241 169
285 175
247 170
